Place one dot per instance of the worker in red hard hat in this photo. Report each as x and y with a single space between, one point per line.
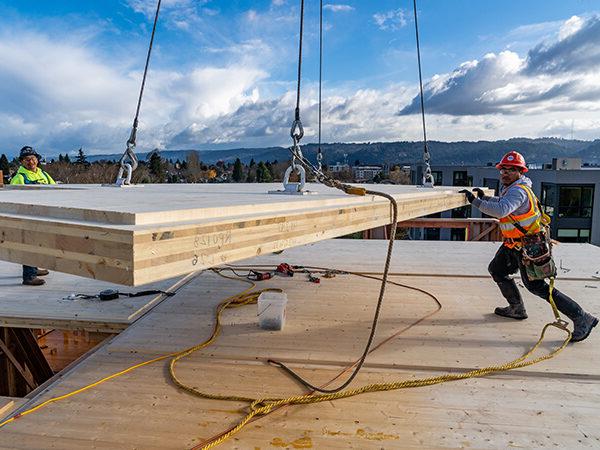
525 230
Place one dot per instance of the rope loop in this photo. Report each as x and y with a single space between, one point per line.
297 131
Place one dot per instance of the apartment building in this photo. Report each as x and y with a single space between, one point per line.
568 192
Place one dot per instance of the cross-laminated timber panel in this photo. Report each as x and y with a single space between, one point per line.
143 234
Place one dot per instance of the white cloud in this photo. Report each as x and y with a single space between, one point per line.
78 97
571 26
390 20
338 7
560 75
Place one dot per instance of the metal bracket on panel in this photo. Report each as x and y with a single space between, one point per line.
293 188
123 181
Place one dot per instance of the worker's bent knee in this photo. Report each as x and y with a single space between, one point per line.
498 275
537 287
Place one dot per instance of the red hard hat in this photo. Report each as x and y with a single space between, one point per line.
514 159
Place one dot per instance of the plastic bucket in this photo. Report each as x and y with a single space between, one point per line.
271 310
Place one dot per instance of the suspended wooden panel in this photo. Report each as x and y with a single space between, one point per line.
148 233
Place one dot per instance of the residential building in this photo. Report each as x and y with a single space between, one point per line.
365 173
338 167
568 192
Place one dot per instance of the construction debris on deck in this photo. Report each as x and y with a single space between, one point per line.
553 404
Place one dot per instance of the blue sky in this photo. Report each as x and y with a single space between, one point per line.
223 72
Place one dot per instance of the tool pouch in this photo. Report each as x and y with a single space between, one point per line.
537 256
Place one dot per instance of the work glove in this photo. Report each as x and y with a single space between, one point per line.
480 193
469 195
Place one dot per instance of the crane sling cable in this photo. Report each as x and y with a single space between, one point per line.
427 175
129 160
242 298
328 181
319 151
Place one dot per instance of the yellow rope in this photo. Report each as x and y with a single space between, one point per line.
264 406
234 300
261 407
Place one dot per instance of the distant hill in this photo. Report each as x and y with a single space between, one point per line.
459 153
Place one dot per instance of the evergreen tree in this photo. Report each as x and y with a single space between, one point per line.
81 158
252 163
271 170
238 171
262 173
4 165
156 165
60 157
250 178
67 159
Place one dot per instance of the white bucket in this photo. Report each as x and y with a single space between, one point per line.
271 310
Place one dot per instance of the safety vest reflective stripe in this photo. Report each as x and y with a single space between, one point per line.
523 222
530 221
26 179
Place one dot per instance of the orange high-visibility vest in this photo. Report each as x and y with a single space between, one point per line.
532 221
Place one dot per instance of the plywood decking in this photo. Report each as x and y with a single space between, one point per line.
9 404
553 404
46 306
148 233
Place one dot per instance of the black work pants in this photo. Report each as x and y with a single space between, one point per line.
507 262
29 272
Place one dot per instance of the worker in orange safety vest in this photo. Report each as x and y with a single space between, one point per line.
520 215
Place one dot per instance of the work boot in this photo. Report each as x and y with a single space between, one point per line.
33 282
516 311
582 327
42 272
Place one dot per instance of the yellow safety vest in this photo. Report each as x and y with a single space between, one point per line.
532 222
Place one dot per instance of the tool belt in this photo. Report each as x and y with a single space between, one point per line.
536 254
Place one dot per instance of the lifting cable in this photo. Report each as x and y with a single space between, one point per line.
129 160
319 152
297 130
296 134
427 175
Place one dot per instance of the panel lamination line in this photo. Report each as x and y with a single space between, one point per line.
154 232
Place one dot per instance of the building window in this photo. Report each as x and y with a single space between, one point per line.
492 183
464 212
460 178
457 234
580 235
437 177
575 201
432 234
548 198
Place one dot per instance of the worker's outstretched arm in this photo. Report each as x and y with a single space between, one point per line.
502 206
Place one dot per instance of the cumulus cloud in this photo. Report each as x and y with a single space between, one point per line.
576 49
390 20
80 97
557 75
338 7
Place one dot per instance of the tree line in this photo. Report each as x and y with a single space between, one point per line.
155 169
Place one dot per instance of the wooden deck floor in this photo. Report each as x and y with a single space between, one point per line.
48 306
554 404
